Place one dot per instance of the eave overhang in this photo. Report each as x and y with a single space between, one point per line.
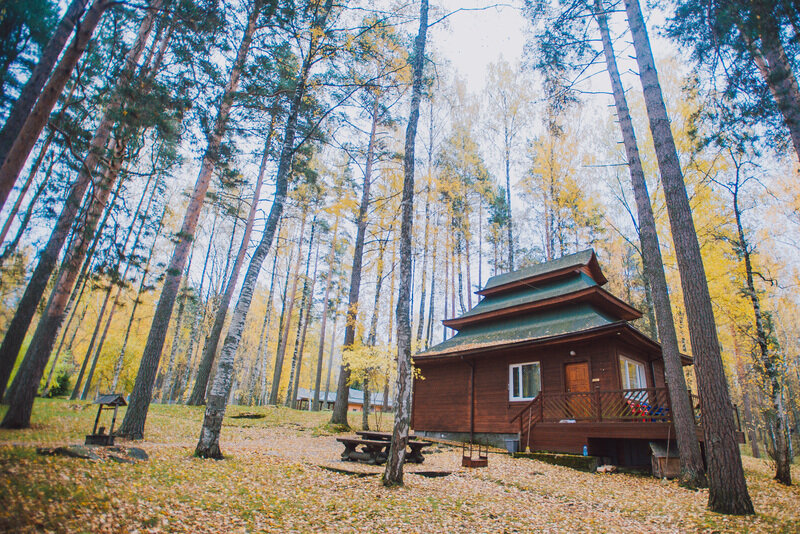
593 295
619 328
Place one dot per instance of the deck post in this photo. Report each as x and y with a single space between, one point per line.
597 403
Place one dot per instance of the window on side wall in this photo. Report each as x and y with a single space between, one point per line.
524 381
633 376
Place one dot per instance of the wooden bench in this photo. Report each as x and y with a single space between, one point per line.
415 456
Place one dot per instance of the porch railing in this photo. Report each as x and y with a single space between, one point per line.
644 405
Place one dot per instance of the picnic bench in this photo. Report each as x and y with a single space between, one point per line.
375 447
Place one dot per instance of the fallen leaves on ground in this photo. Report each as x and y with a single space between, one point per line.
274 478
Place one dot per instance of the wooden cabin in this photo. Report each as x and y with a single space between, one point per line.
550 358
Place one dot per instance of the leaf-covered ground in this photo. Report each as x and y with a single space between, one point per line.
275 479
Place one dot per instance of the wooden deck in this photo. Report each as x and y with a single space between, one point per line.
567 421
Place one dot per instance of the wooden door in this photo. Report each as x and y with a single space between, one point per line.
579 400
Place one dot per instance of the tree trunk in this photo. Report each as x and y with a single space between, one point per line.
21 109
692 472
372 335
509 223
309 308
115 302
776 69
741 375
176 338
365 406
88 354
301 316
768 364
26 383
286 320
330 351
139 401
37 163
210 348
421 319
339 415
727 486
26 308
328 284
26 217
393 475
263 338
208 444
26 127
80 236
432 307
121 357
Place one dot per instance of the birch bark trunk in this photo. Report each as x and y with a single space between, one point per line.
208 444
393 474
301 318
322 328
309 308
210 347
768 364
286 320
727 486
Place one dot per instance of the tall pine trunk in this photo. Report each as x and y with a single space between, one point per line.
776 69
393 475
139 401
727 486
25 124
692 471
26 308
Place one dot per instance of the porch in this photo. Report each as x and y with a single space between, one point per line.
568 421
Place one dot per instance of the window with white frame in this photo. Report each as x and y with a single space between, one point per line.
633 376
524 381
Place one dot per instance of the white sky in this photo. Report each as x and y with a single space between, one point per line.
471 40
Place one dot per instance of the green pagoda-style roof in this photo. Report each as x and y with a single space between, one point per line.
548 269
525 328
551 299
532 293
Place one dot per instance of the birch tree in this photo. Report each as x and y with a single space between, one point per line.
393 474
208 443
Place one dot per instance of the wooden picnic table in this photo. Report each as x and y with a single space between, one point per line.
373 451
374 434
370 439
